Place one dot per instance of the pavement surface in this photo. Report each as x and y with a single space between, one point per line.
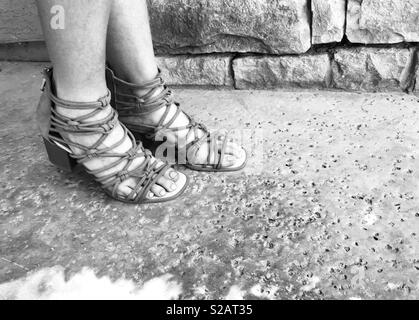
328 207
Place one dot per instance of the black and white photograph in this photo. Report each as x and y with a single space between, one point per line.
224 151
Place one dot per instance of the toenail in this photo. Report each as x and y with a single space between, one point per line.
173 175
173 187
162 193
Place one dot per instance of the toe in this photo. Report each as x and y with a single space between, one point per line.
172 175
126 187
235 150
124 191
167 184
158 190
200 157
229 149
233 154
228 161
240 152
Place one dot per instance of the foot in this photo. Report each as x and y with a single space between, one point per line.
233 152
169 184
234 155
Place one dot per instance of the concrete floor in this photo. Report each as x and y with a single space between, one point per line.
330 211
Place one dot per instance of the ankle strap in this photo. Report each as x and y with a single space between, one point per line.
156 82
81 124
101 103
128 103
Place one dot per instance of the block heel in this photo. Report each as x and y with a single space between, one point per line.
59 157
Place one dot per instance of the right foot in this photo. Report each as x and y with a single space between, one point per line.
149 109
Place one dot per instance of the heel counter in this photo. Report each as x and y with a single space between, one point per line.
43 110
43 115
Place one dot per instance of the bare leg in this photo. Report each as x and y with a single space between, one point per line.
78 51
130 53
130 48
78 55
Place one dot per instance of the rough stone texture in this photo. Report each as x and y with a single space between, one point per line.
196 70
19 21
383 21
331 212
226 25
369 68
328 20
183 26
416 84
287 71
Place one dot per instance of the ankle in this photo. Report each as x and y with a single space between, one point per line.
83 95
86 94
141 92
137 76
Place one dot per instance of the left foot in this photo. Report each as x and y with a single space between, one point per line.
165 114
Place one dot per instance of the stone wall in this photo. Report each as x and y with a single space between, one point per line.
340 44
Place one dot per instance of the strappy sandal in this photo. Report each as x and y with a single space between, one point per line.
54 126
130 107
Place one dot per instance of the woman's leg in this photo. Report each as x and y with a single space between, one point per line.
130 47
131 56
78 53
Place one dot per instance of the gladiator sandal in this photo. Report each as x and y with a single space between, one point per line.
55 126
131 107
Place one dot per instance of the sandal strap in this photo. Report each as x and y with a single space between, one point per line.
147 173
159 96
